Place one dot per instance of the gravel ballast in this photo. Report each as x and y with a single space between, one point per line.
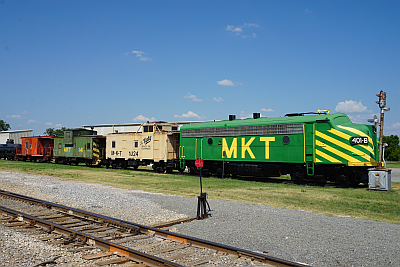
292 235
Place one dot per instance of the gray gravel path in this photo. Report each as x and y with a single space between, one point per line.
293 235
395 175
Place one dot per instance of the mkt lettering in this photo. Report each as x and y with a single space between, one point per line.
231 151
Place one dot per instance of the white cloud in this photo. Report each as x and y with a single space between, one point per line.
49 123
219 99
233 28
238 30
139 54
14 116
245 116
142 118
267 110
350 106
395 125
193 97
190 115
57 125
31 121
251 25
226 82
360 118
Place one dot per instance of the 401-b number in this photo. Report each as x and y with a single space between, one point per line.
358 140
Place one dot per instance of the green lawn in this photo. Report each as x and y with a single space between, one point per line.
393 165
353 202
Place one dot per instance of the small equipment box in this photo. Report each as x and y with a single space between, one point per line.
380 179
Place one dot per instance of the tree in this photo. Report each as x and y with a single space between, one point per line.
392 151
4 126
56 133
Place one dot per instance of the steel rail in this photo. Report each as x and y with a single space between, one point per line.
158 232
98 242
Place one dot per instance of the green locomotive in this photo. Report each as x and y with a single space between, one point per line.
80 146
323 147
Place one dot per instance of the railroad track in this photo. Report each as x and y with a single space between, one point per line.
120 240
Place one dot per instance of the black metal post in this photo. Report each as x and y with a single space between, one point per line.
223 164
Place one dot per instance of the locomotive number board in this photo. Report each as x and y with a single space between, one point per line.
359 140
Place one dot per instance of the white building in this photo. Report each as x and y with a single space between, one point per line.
104 129
15 135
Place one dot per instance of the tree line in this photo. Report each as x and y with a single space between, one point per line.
392 151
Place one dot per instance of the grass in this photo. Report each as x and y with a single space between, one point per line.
352 202
393 165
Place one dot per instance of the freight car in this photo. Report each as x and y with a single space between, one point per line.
80 146
7 150
323 147
35 148
155 143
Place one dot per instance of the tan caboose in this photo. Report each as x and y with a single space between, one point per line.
154 143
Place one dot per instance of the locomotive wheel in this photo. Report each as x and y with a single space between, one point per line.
297 176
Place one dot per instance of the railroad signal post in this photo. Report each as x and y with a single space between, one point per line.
379 178
202 199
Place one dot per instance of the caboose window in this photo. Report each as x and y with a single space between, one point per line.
147 129
59 145
136 144
30 146
113 144
68 135
174 128
88 146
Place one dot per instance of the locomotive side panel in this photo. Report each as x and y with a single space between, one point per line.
318 147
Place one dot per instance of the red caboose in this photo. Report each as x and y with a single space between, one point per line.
36 148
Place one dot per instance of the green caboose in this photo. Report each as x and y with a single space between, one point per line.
80 146
313 147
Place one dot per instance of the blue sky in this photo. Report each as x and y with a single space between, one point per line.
70 63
